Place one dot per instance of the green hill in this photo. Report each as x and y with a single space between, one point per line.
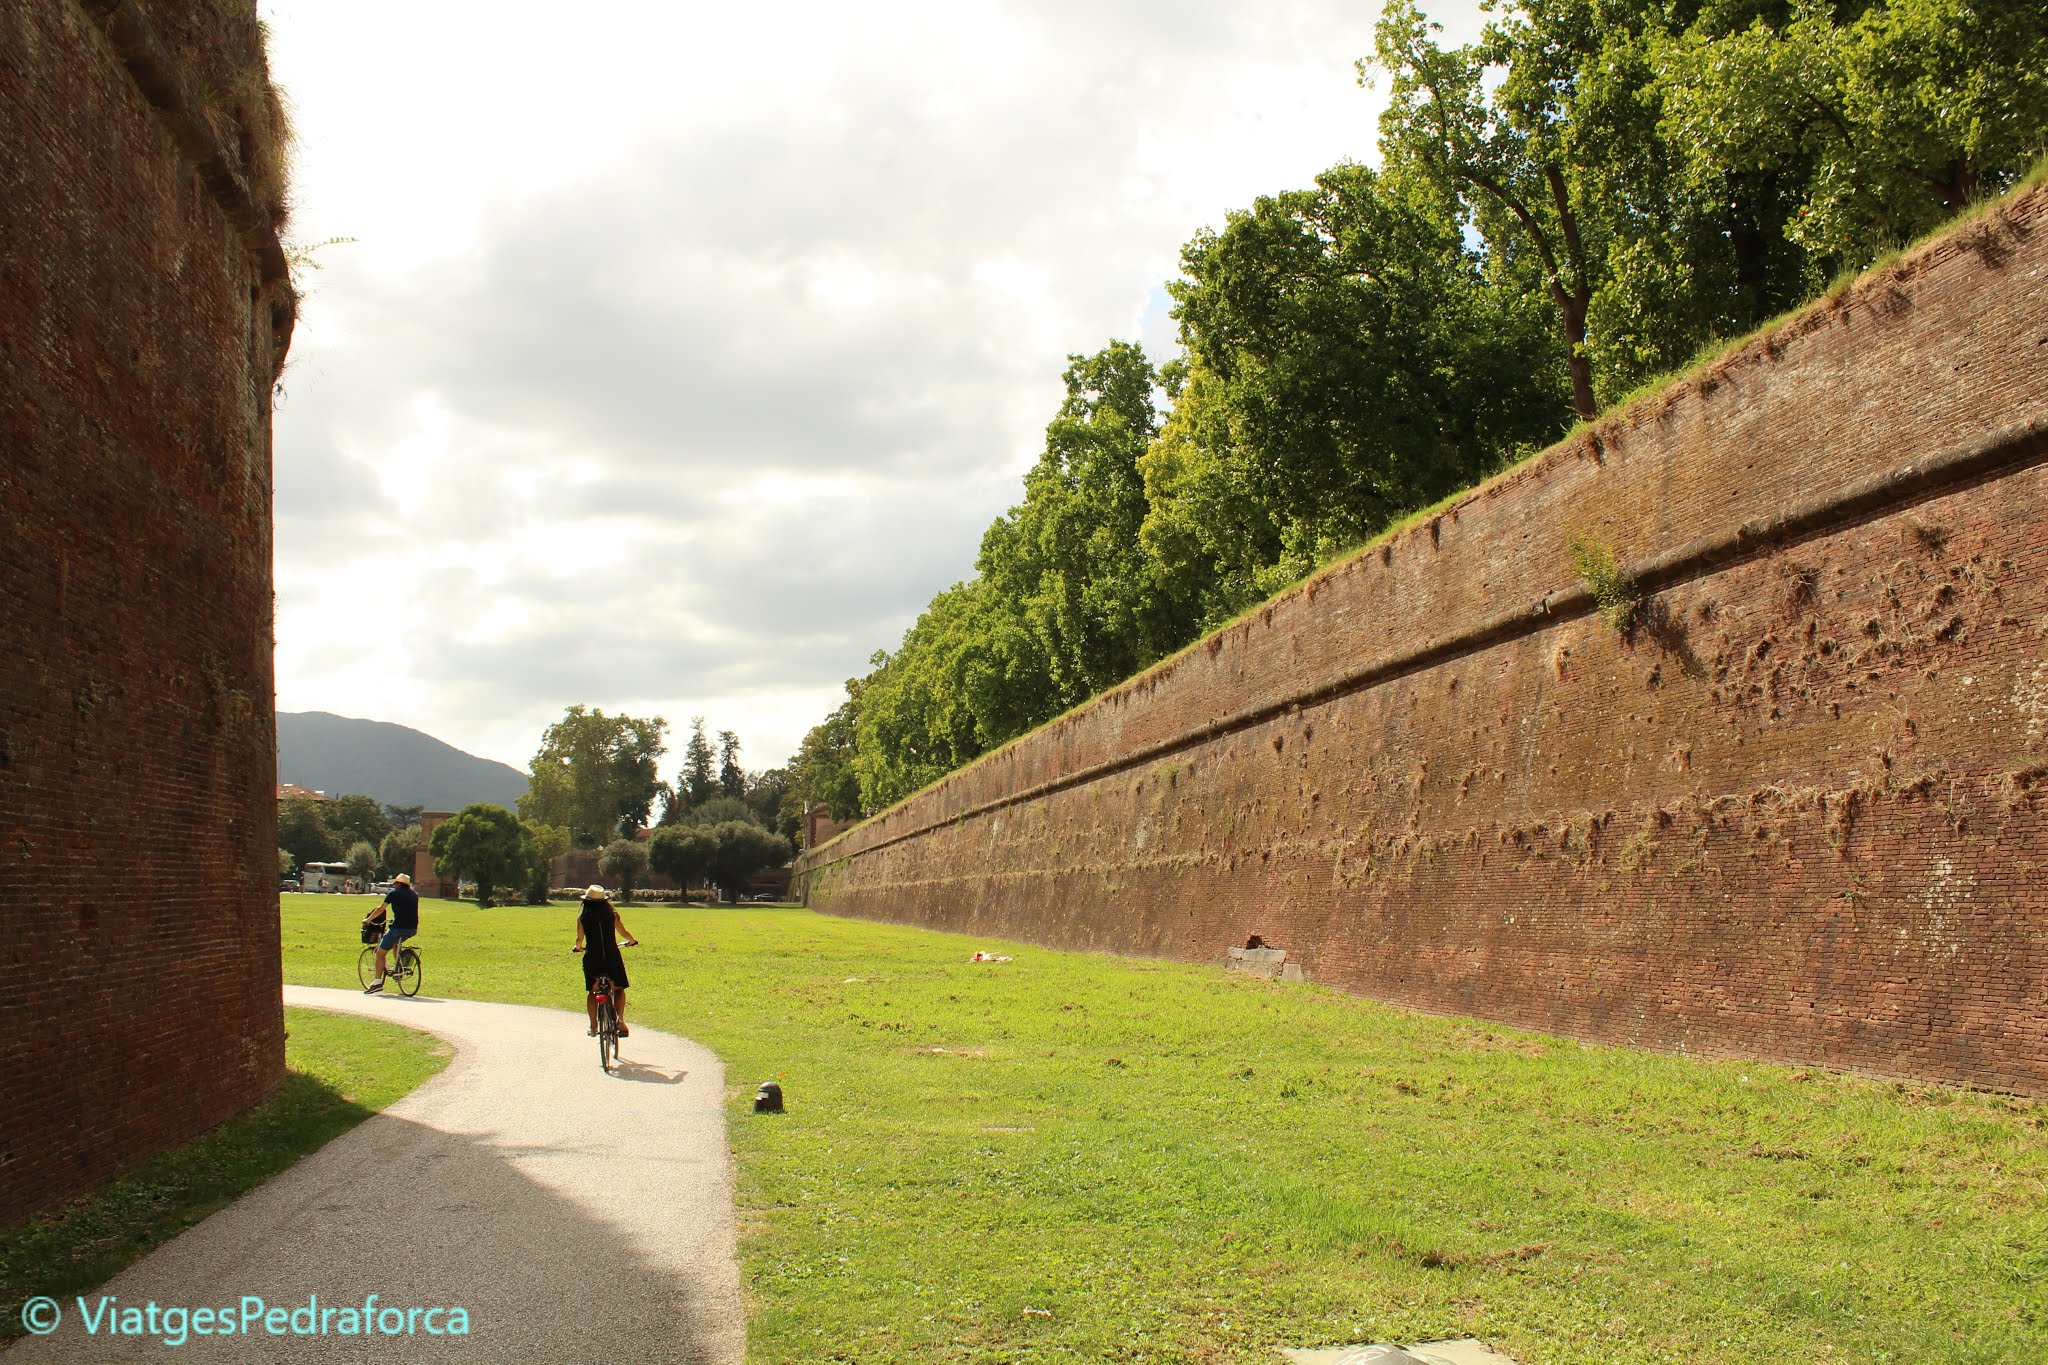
396 765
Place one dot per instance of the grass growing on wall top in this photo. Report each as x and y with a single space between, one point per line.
1166 1163
1614 415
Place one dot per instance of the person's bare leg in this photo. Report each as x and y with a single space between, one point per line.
380 962
619 1008
590 1005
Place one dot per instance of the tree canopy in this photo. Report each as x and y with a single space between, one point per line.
622 864
595 775
1588 195
484 844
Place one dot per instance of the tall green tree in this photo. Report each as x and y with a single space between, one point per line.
302 831
767 795
595 775
1506 156
401 816
717 811
1349 360
623 864
356 819
484 844
1068 558
1879 120
698 781
395 853
732 778
682 852
541 845
362 861
741 848
823 769
1213 522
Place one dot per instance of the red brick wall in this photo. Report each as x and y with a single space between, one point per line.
1797 814
140 334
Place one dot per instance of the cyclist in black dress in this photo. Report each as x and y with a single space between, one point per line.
595 939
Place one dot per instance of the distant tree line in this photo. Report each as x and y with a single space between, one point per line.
373 839
592 785
1592 195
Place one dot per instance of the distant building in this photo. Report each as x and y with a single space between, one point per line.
288 791
426 878
820 827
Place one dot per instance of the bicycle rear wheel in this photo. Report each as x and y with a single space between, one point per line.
408 971
366 967
607 1035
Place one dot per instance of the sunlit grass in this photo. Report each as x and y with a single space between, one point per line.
1176 1164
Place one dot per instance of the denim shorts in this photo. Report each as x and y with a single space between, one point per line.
391 938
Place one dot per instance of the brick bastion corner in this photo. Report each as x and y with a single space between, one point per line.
145 310
1799 811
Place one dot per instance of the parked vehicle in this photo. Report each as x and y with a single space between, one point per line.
324 876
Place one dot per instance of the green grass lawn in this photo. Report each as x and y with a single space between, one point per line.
1071 1157
341 1071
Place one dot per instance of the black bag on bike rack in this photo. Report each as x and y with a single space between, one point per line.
373 931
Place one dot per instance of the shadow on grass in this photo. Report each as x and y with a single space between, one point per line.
81 1244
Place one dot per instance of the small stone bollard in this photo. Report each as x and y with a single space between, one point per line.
768 1099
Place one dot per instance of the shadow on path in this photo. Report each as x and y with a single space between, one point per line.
568 1219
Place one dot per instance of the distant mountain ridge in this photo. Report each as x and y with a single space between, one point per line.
396 765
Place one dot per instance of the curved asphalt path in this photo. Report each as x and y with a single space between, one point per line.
574 1215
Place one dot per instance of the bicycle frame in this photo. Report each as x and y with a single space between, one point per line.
605 1007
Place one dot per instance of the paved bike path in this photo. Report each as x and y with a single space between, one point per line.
572 1215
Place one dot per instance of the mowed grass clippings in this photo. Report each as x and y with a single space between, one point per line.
1072 1157
340 1070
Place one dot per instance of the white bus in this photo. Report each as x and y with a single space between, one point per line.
323 876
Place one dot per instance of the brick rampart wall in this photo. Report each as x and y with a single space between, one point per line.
143 316
1797 813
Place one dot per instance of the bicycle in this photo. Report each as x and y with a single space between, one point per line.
402 964
607 1023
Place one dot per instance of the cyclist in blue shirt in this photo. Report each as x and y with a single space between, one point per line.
404 904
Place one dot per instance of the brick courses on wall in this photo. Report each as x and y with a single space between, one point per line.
1798 812
144 312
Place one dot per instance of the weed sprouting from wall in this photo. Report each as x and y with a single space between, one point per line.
1613 590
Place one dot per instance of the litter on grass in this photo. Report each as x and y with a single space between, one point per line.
990 957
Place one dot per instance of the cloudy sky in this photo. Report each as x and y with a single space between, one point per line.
680 353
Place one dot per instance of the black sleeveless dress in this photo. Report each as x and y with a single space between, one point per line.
601 946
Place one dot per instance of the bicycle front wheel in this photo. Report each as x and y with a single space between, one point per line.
366 967
408 971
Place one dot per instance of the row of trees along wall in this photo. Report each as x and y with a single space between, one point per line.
145 308
1786 803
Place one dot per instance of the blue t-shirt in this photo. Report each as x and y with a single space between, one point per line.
405 909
